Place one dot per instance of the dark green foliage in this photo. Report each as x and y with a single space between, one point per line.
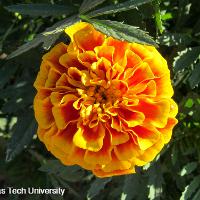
30 27
45 10
111 9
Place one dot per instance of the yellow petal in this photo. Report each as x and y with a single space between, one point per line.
90 138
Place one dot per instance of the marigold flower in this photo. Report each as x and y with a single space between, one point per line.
102 103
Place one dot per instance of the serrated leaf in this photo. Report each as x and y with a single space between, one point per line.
188 168
127 5
27 46
120 31
194 78
174 39
40 9
47 38
50 40
61 25
191 188
186 58
22 135
68 173
88 5
96 187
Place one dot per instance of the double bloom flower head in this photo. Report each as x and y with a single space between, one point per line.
102 103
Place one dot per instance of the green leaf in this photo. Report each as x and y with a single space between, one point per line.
186 58
55 183
64 183
61 25
68 173
88 5
38 9
96 187
174 39
27 46
22 135
189 103
191 188
155 182
48 37
158 18
197 195
48 41
111 9
121 31
130 187
133 187
188 168
174 154
6 73
194 78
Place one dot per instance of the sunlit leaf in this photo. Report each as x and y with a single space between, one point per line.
191 188
186 58
121 31
158 18
188 168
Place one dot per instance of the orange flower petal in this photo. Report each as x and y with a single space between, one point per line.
100 173
65 112
131 118
52 78
52 57
117 137
87 38
155 112
103 156
116 164
105 51
141 73
167 130
120 48
127 150
43 112
63 140
146 137
89 138
87 58
164 87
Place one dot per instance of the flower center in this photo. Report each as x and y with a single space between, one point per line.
104 95
97 101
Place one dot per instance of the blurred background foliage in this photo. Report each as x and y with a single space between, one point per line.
28 28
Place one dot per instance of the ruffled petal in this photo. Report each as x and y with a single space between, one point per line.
43 112
85 36
103 156
65 112
90 138
155 112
